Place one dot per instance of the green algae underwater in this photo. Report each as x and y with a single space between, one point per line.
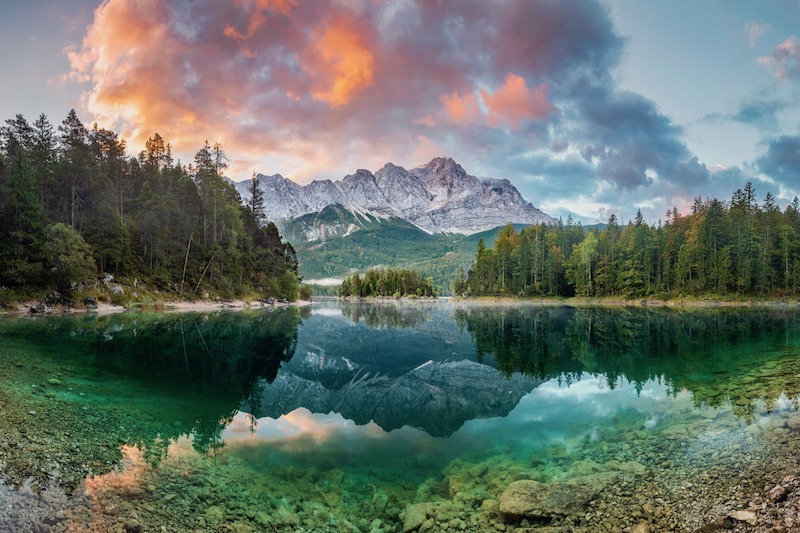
381 417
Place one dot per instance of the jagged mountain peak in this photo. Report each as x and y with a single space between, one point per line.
442 166
360 174
275 178
439 196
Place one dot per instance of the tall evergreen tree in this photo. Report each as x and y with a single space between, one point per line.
256 200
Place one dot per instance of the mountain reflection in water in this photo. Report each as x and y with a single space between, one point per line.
379 395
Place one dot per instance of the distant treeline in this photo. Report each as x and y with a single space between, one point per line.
73 205
721 248
387 282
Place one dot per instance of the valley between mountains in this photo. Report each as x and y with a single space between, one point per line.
429 218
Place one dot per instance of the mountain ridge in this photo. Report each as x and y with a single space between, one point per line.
438 197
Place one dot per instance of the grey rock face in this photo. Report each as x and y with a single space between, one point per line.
437 197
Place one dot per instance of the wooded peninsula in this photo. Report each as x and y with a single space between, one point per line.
721 249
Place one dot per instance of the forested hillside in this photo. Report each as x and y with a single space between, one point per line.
74 207
388 242
738 247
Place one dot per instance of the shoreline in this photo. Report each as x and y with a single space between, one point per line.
644 303
187 306
170 306
713 303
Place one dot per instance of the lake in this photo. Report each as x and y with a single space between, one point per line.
388 417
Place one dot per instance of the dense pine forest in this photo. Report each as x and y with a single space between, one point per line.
76 210
736 248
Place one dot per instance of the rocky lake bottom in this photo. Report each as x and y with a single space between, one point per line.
96 445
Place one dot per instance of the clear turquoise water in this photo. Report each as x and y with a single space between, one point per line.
341 416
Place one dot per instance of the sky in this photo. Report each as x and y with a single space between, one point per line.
589 107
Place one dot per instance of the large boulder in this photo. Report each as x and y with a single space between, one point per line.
38 308
539 500
415 516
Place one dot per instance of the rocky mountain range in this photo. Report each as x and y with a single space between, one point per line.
437 197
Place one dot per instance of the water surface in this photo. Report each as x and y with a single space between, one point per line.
366 417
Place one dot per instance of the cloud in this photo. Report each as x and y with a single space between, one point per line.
762 114
339 63
781 162
311 89
461 110
258 10
508 106
514 102
784 61
626 137
754 31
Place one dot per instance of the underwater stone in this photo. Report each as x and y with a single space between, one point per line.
777 494
744 516
292 519
533 499
794 422
415 516
215 512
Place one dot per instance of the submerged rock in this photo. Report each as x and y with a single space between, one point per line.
777 494
533 499
744 516
415 516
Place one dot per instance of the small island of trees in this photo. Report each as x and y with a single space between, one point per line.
387 283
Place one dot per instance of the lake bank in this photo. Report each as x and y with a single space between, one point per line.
186 306
578 302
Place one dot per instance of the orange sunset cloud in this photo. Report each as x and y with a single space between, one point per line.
259 16
342 65
514 102
462 110
508 106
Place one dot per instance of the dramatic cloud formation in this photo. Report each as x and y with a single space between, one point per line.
316 89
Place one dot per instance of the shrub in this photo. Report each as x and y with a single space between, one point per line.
305 292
